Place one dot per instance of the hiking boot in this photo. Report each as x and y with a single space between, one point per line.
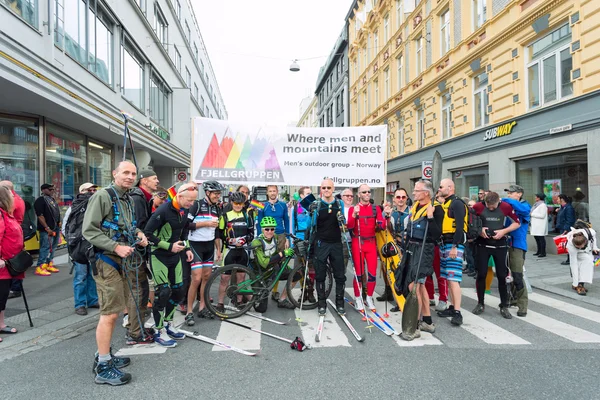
285 303
425 327
522 313
107 372
410 337
275 296
370 304
131 340
505 313
479 308
12 295
205 314
189 320
359 305
119 362
41 270
441 306
80 311
162 337
173 332
52 268
448 312
457 319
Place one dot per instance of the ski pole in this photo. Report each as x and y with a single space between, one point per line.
261 332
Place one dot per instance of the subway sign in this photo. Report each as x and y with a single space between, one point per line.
501 130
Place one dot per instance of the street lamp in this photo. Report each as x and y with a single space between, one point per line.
294 67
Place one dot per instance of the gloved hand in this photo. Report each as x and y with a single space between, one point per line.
288 252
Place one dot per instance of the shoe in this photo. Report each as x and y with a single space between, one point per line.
189 320
395 309
107 372
339 305
425 327
311 297
52 268
574 287
12 295
370 304
173 332
119 362
359 305
80 311
41 271
149 326
182 309
409 337
542 256
565 263
162 337
125 320
220 307
581 291
521 313
448 312
275 296
387 295
536 254
479 308
322 310
441 306
130 341
285 303
457 319
97 305
432 302
205 314
472 274
505 313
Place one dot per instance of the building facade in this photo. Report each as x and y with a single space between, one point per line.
308 113
68 68
332 86
505 91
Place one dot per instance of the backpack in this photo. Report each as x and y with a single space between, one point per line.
474 224
77 245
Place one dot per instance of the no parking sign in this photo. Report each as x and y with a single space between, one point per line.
426 169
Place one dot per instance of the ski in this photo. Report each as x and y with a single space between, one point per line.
394 331
261 332
368 318
348 324
320 328
195 335
260 316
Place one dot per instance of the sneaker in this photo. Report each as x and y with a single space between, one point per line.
139 340
441 306
173 332
12 295
125 320
275 296
370 304
205 314
189 320
52 268
409 337
80 311
505 313
359 305
182 309
119 362
472 274
107 372
41 271
448 312
479 308
425 327
162 337
457 319
285 303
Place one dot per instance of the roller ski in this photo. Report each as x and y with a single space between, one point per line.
348 324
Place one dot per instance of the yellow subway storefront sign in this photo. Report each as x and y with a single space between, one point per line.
502 130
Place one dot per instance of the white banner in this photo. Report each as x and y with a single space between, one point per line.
238 153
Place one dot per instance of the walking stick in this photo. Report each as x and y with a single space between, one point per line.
26 305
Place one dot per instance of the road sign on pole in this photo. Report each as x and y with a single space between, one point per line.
182 176
426 169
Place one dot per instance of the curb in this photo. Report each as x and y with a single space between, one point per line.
566 293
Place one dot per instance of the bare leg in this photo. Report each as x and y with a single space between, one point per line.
193 290
205 275
104 332
454 289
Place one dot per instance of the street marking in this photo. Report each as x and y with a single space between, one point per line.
240 337
551 325
141 349
566 307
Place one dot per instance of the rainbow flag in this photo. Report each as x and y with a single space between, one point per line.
257 204
171 192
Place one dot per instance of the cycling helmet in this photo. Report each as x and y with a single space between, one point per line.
212 186
237 197
389 250
268 222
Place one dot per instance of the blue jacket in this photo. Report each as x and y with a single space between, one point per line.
519 235
565 218
279 211
300 221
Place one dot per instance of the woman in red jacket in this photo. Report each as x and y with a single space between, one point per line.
11 243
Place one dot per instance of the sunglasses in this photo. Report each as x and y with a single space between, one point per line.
268 229
326 187
91 190
402 197
237 204
366 191
161 195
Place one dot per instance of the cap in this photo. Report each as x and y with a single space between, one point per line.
541 196
146 173
84 187
46 186
515 188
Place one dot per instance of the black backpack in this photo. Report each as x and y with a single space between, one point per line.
77 245
474 223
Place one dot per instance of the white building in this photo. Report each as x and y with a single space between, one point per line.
68 68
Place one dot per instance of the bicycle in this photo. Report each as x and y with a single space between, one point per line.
244 288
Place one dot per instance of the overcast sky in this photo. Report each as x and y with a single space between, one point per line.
251 45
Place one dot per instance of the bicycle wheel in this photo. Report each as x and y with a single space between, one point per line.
237 287
295 282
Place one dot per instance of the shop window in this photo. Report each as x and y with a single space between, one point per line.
26 9
555 174
19 163
132 74
421 128
479 13
549 71
445 32
446 115
399 72
65 163
471 181
100 163
84 30
160 26
481 100
159 102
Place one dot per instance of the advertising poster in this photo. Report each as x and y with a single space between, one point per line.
473 192
552 189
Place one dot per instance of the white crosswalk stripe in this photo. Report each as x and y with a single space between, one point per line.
237 336
566 307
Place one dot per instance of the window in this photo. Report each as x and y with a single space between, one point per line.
358 109
177 59
446 115
366 55
479 11
375 44
141 4
386 83
366 102
399 71
401 137
100 163
196 52
188 33
188 78
196 92
421 128
26 9
549 72
342 101
481 100
369 99
399 13
207 113
386 28
160 26
419 54
201 68
445 32
86 36
201 103
178 9
159 102
132 74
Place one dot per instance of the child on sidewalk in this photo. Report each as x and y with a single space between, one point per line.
582 246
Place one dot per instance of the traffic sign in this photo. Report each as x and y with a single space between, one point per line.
426 169
182 176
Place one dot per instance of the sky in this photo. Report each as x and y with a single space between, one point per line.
251 45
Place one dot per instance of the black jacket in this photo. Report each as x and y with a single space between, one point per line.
143 208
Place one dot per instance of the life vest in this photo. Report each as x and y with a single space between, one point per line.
418 221
449 223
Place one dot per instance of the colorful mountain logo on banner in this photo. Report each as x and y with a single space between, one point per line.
240 159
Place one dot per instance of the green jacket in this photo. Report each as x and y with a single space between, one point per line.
100 208
261 259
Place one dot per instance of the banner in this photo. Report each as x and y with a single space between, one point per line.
237 153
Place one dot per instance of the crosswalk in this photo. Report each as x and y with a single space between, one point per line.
550 322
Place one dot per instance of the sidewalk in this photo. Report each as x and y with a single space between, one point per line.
549 275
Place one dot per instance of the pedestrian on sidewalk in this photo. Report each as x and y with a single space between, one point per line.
11 243
582 246
48 227
19 213
539 223
565 218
